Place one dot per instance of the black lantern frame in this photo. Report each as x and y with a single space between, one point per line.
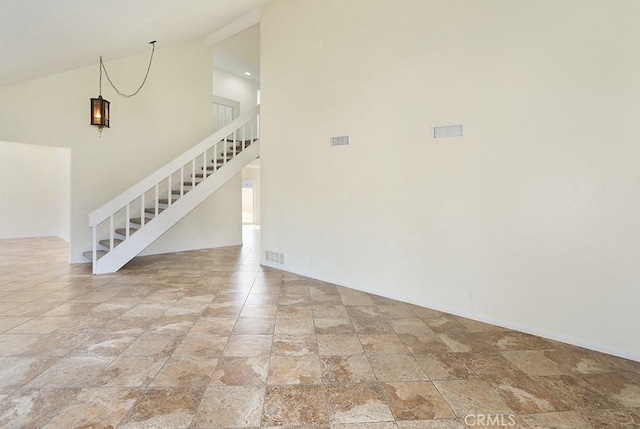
100 112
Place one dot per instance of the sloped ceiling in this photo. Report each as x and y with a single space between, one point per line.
244 46
43 37
240 54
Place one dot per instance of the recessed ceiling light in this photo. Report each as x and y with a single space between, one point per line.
247 73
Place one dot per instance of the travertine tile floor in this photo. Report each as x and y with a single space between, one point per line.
209 339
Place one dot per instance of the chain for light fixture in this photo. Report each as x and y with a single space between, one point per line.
100 110
102 67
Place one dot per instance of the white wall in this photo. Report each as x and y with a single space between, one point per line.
35 191
230 86
224 207
535 211
170 114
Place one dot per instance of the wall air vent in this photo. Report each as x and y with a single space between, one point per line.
448 132
275 257
338 141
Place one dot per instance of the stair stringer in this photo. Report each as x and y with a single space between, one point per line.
156 227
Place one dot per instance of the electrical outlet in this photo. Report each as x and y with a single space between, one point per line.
470 295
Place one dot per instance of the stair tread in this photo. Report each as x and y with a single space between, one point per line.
122 231
153 210
99 254
166 200
106 243
177 191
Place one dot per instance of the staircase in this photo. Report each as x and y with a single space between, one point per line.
126 225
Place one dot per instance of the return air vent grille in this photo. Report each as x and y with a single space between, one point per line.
448 132
338 141
275 257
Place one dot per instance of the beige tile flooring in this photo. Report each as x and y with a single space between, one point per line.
209 339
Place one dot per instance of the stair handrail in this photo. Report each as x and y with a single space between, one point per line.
103 212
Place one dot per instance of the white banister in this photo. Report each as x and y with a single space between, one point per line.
244 138
233 143
94 251
111 232
234 158
142 213
182 181
103 212
128 215
193 173
157 197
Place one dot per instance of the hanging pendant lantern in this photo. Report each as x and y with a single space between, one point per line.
100 112
100 107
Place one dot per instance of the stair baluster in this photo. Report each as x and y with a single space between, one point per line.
111 227
128 226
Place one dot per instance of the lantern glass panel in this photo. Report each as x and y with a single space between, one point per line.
99 112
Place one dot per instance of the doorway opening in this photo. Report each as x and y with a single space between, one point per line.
236 90
247 202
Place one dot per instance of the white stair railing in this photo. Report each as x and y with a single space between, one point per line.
158 192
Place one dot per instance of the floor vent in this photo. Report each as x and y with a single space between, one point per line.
338 141
275 257
448 132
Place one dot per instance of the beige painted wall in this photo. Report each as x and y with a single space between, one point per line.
35 190
170 114
530 221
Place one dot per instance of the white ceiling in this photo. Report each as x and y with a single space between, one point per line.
235 66
43 37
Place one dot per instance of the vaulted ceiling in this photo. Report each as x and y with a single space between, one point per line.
43 37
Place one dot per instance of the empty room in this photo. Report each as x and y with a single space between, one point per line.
319 214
